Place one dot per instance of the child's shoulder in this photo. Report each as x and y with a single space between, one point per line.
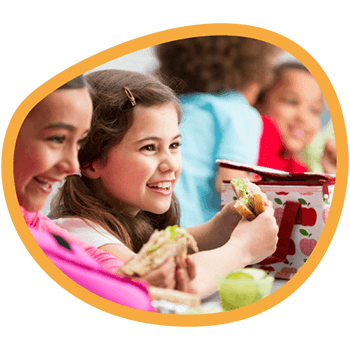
87 231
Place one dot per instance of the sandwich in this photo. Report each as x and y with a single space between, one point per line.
174 296
249 201
173 241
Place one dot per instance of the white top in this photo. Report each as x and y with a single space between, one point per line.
91 233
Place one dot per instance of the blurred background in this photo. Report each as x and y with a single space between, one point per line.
145 61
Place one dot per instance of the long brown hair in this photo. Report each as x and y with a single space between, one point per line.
112 116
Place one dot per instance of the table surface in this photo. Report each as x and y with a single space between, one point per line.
214 299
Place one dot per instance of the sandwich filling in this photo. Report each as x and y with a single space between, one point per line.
171 232
242 186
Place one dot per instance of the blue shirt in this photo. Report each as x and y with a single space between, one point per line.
214 126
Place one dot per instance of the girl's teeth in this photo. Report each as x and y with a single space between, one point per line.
162 185
43 184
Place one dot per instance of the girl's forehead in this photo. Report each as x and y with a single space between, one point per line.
160 119
297 81
73 107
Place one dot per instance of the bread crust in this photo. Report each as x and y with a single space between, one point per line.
244 210
160 246
174 296
249 199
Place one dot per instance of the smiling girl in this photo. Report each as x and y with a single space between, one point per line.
130 165
295 101
48 143
46 152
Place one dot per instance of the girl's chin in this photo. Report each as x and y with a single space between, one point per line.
159 210
32 202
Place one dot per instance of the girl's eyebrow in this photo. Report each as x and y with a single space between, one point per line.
155 138
60 125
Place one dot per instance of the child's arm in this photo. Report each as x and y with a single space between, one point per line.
250 242
217 231
119 251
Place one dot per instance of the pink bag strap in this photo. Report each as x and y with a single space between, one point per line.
289 217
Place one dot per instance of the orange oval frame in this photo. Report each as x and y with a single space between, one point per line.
138 44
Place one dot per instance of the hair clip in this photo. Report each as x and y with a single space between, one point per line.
129 96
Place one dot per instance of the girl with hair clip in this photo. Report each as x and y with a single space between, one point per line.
130 165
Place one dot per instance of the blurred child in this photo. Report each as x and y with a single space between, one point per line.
221 78
46 152
295 101
130 165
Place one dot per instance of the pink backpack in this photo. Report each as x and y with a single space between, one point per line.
88 273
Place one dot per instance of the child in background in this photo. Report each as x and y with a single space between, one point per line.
221 76
130 165
46 152
295 101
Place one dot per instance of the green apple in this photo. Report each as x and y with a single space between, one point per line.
243 287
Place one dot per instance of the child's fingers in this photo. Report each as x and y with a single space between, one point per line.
181 280
185 273
191 268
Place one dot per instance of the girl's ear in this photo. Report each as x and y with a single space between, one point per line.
91 169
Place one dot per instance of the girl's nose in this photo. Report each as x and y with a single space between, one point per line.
69 163
169 163
302 114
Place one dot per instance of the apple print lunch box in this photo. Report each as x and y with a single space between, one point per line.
301 202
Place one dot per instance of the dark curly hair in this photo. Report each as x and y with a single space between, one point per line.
215 63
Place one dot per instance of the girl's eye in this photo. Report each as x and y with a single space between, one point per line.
315 111
175 145
148 148
82 142
290 101
57 139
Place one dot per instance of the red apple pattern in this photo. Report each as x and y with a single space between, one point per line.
310 221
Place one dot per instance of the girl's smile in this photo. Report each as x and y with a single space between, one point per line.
164 188
141 171
47 144
296 102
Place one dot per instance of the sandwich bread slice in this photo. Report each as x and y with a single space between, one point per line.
249 198
172 241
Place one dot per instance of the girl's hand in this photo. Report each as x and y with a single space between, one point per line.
163 276
174 273
256 239
229 217
185 274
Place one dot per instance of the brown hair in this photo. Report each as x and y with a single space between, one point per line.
278 71
215 63
112 117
